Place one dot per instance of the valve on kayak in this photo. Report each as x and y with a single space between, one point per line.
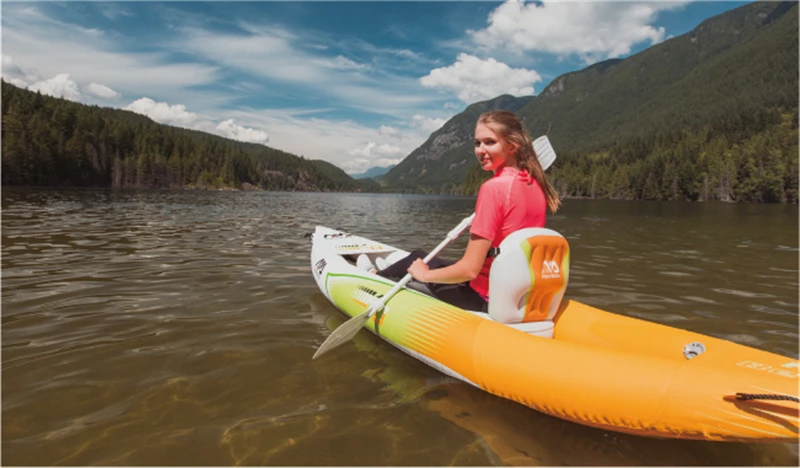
693 349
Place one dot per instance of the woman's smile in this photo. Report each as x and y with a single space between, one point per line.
492 151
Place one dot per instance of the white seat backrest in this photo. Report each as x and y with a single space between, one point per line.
529 276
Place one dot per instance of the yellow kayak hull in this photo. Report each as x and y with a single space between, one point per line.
600 369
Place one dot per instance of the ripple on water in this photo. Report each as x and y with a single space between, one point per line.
784 270
178 327
740 338
687 253
772 310
702 300
783 333
736 292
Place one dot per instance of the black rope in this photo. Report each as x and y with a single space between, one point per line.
765 396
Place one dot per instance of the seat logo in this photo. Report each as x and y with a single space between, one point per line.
550 269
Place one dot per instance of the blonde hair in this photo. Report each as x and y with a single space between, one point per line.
506 125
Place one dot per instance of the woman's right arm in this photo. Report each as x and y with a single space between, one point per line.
465 269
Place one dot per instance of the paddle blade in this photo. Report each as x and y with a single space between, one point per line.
344 333
544 151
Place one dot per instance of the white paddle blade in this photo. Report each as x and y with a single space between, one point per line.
544 151
344 333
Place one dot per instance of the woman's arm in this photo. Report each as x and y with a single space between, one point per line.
466 269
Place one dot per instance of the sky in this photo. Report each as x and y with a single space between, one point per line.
359 84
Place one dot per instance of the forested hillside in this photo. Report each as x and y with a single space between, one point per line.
718 124
754 160
710 115
54 142
735 64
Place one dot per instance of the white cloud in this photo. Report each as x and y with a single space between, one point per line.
407 56
279 56
229 129
163 113
266 53
593 30
54 47
113 10
427 124
340 63
16 82
59 86
178 116
385 130
403 141
373 149
372 155
13 73
474 79
356 166
102 91
351 146
9 66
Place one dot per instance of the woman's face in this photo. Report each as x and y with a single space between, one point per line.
493 152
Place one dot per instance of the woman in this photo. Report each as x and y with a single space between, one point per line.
515 198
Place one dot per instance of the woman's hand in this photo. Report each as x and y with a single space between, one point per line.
465 269
419 270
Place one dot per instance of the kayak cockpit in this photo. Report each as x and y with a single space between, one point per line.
527 279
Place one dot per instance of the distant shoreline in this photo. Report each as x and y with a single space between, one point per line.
253 188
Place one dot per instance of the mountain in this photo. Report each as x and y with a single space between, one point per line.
341 179
373 172
370 185
445 157
636 127
49 141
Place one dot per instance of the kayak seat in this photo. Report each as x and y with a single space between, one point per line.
528 278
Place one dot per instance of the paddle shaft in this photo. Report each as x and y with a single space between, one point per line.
451 236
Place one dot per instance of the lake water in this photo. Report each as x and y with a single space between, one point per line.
177 328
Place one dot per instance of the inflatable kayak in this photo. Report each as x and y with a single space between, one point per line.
564 358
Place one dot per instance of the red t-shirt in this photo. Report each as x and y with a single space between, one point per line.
509 201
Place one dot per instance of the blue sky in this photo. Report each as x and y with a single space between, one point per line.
359 84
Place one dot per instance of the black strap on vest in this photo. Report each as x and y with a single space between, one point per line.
493 252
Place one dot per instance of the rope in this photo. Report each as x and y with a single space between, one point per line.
765 396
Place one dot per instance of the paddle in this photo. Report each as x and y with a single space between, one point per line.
546 155
544 152
349 329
